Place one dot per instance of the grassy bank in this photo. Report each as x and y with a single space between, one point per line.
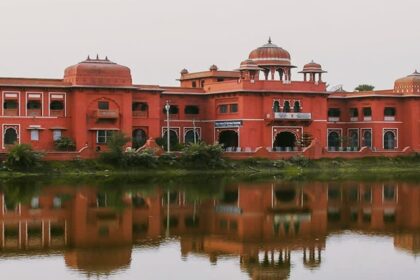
298 167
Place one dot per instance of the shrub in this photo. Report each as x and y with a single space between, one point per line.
168 159
65 144
301 161
203 155
145 158
22 157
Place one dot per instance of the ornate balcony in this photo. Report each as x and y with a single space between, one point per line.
10 112
293 116
140 114
107 114
34 112
57 113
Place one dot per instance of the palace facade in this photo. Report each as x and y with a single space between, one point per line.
255 110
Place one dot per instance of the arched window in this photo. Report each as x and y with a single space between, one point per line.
56 105
367 138
191 110
172 110
276 106
10 104
333 140
286 107
190 137
10 136
389 140
296 107
140 106
33 104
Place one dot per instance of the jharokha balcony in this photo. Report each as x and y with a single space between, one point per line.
10 112
34 112
107 114
57 113
140 114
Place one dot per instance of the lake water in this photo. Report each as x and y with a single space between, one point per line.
218 228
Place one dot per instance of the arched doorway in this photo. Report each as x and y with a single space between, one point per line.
333 140
354 139
228 138
10 136
189 137
389 140
173 139
285 140
367 138
139 138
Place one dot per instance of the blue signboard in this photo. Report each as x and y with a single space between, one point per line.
222 124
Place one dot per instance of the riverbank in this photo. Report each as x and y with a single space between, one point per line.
297 167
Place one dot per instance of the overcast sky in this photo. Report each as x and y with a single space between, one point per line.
357 41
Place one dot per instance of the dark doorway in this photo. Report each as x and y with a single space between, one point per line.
173 139
333 140
389 140
139 138
367 139
228 138
285 139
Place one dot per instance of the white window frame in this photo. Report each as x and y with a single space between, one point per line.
34 133
108 134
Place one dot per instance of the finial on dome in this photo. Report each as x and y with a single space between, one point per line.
97 56
106 58
88 58
269 40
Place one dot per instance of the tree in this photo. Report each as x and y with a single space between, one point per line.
364 87
115 153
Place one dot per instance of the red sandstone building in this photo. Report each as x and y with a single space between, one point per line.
256 110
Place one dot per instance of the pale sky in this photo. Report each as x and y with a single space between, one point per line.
357 41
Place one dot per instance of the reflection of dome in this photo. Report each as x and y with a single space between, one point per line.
410 84
270 54
99 72
98 260
266 269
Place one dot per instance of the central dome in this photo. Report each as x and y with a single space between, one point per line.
98 72
270 55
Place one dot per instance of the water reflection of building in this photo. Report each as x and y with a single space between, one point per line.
261 223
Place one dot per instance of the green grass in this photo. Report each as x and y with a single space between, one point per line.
324 169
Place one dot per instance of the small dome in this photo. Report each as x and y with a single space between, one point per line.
213 68
270 54
249 64
312 67
410 83
98 72
184 71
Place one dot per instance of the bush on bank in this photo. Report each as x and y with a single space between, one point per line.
22 157
202 155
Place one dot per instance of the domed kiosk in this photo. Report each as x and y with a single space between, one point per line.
312 69
409 84
98 72
272 58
